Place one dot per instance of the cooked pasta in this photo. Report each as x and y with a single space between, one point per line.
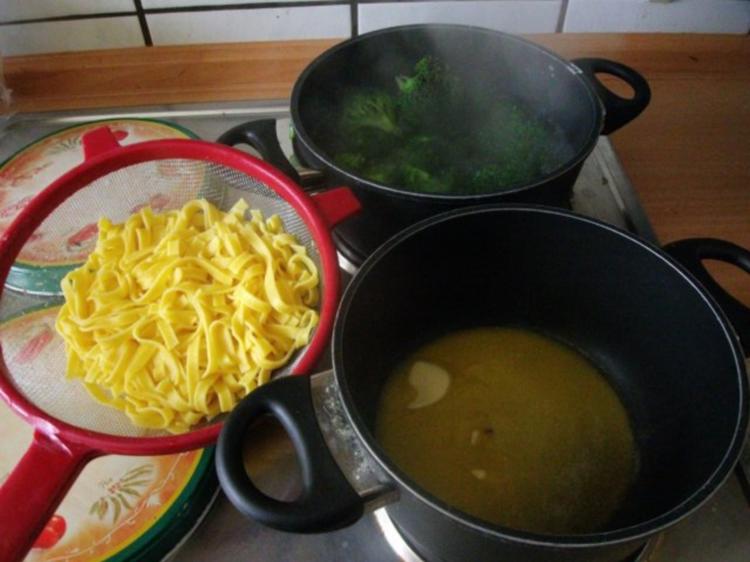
175 317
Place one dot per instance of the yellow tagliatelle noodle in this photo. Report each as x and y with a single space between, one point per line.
176 316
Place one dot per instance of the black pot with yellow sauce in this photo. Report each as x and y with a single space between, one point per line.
668 350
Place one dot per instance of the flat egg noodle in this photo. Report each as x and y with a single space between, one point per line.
177 316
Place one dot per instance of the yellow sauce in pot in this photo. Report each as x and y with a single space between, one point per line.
511 427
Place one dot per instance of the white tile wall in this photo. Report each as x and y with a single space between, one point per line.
701 16
333 21
520 16
315 22
12 10
75 35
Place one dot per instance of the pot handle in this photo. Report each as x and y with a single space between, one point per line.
261 135
618 111
327 501
692 251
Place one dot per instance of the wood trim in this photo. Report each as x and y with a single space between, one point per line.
153 75
174 74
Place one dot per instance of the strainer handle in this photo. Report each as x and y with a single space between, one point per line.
336 205
98 141
34 489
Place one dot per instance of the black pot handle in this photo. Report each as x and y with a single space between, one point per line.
618 111
692 251
261 135
327 501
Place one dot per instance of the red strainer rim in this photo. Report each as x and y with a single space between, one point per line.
114 158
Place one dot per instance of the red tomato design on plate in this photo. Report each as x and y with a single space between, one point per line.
34 346
14 178
11 210
82 236
52 532
157 203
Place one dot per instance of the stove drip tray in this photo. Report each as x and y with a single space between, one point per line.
407 553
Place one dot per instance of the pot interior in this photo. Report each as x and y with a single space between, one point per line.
661 345
491 65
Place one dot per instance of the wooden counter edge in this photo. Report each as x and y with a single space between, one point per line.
267 70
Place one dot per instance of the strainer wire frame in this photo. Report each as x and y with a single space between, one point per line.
60 450
114 158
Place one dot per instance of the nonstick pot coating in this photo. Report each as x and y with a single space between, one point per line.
662 345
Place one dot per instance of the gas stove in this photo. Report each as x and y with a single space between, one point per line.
719 531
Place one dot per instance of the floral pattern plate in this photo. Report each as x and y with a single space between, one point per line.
120 508
54 249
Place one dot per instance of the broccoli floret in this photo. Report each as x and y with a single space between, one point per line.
512 147
435 135
427 99
509 132
489 178
428 72
418 150
352 161
369 110
494 177
430 76
418 179
385 172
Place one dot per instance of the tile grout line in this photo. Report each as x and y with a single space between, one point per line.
143 22
562 16
354 15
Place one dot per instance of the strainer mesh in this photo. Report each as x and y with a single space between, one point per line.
33 351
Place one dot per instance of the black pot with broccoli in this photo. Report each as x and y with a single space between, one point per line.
416 136
421 119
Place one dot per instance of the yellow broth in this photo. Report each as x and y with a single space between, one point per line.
511 427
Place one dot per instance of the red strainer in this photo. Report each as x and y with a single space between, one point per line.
70 427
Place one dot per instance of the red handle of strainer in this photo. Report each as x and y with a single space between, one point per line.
34 489
60 450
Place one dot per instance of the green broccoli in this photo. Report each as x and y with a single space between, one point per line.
418 179
491 177
435 135
428 98
369 109
351 161
385 172
511 147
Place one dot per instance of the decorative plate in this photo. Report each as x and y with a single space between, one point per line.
120 508
56 247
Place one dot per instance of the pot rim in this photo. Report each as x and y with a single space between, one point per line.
639 531
581 154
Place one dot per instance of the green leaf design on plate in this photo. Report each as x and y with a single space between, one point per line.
123 492
118 509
